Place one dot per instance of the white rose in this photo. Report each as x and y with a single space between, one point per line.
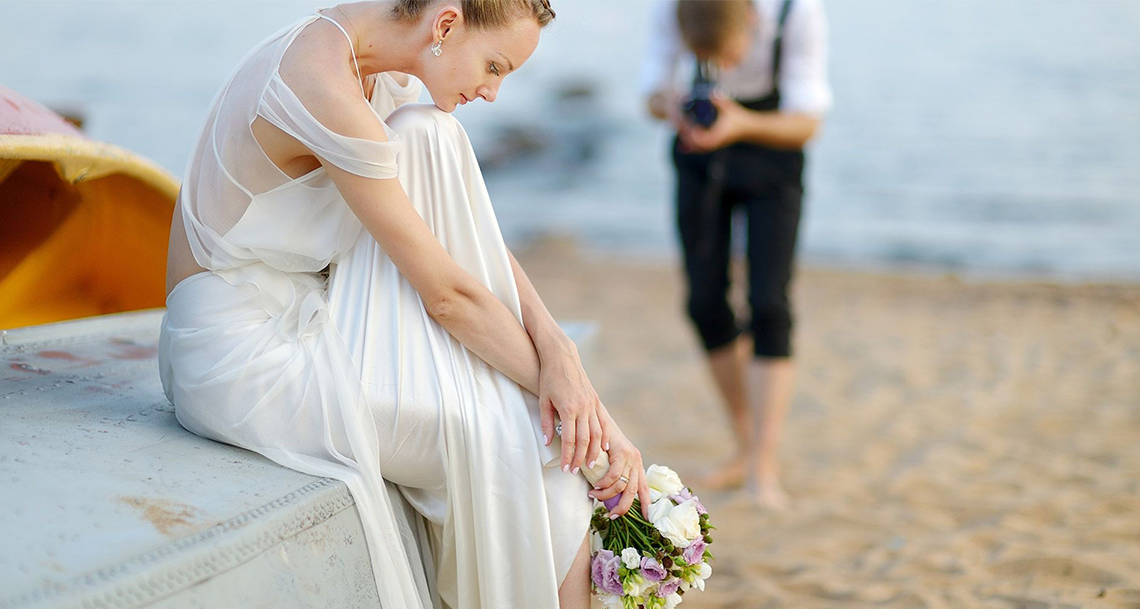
631 558
611 601
665 480
654 495
672 600
681 525
659 509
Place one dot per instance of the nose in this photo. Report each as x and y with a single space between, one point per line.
489 92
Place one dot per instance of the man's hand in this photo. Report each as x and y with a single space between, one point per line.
725 131
666 105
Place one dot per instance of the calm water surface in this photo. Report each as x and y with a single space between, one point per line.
991 137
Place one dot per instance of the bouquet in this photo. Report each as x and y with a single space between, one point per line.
639 564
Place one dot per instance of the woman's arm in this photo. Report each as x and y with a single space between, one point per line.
548 337
318 70
451 296
321 77
563 384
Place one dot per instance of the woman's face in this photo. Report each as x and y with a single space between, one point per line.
474 62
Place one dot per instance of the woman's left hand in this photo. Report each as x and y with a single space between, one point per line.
566 391
726 130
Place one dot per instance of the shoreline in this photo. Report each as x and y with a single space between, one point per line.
588 249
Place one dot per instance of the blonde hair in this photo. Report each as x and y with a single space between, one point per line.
706 24
482 13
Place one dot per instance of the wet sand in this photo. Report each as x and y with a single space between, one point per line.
951 443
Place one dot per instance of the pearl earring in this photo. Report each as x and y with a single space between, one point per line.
436 49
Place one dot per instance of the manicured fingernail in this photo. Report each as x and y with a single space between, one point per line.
613 516
597 488
607 445
566 467
575 471
545 439
591 465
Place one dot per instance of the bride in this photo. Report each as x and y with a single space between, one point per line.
340 300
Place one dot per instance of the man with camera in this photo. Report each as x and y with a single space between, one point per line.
758 94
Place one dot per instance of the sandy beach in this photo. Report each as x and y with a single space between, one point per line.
951 443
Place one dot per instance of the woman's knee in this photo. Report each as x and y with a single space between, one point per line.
419 123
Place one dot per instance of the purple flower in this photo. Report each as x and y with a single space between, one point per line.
652 570
604 572
684 495
694 552
612 501
666 588
597 564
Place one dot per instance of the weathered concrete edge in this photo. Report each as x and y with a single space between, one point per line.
84 329
182 563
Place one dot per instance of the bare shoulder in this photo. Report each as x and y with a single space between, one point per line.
318 68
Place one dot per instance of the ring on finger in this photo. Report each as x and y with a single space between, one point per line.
624 479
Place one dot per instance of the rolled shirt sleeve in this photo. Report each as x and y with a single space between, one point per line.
664 47
803 73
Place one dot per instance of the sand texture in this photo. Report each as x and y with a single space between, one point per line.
951 443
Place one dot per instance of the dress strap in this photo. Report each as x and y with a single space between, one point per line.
351 49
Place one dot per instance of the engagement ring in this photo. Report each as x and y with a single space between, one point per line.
558 429
623 479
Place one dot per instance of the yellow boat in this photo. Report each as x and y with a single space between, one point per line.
83 224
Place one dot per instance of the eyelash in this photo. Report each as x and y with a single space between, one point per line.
494 69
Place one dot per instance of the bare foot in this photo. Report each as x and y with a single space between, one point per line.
727 475
769 494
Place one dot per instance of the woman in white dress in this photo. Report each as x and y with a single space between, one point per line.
340 300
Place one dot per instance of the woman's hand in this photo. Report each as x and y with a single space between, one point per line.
565 390
625 460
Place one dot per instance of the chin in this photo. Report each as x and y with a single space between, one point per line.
449 108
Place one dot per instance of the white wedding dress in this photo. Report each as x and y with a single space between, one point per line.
349 377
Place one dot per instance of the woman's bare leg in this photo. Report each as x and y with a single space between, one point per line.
575 590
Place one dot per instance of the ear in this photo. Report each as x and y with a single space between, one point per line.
448 17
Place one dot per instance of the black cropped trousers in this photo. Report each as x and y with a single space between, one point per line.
767 186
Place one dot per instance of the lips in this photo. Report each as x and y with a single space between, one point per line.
465 100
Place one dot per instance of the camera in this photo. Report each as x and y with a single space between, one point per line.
697 107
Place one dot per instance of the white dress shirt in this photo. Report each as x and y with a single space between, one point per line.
803 69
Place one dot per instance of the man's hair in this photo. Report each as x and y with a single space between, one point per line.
482 13
707 24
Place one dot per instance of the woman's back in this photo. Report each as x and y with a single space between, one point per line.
237 205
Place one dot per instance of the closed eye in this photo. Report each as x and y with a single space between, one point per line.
494 69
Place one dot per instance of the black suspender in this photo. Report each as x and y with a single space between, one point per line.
778 45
